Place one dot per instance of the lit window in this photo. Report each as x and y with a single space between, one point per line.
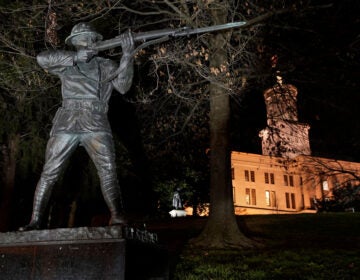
325 185
270 198
247 196
290 200
250 196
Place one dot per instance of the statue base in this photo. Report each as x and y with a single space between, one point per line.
177 213
82 253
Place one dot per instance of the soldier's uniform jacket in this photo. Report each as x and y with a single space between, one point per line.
85 97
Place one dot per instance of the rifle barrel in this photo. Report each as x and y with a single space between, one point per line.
176 32
212 28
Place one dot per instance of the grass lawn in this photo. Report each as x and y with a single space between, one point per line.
309 246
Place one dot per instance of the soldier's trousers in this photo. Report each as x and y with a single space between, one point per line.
60 147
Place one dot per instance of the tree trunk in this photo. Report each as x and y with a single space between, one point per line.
221 230
9 153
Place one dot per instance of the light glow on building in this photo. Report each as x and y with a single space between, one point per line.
286 178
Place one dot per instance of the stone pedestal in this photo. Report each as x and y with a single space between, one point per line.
81 253
177 213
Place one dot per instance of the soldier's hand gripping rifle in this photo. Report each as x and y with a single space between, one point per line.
158 36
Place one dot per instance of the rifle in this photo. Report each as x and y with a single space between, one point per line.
158 36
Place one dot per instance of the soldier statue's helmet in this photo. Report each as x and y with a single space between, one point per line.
82 28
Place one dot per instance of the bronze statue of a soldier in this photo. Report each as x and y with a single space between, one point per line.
87 83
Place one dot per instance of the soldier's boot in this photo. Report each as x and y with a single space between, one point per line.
113 198
114 203
41 199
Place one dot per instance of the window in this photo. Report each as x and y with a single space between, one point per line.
266 178
287 195
247 196
269 178
286 180
249 176
253 196
272 178
289 180
290 200
250 196
325 185
232 173
302 201
301 181
270 198
293 206
252 176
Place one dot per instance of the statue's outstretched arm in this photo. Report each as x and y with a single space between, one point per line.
124 74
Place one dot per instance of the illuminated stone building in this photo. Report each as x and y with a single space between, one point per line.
285 178
284 135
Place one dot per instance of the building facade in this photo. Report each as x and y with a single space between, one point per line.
286 178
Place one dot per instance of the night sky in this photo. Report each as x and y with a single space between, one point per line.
322 60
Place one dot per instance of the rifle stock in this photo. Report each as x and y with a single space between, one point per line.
156 34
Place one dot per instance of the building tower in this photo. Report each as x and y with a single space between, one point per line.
284 135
